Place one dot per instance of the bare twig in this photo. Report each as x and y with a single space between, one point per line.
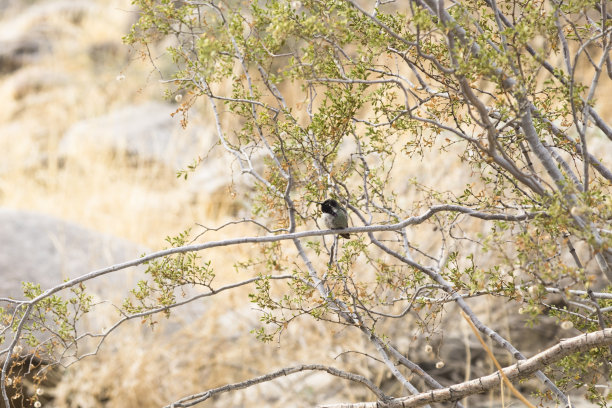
194 399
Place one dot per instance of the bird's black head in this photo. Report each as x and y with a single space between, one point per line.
330 206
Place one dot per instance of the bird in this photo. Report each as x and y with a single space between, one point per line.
334 216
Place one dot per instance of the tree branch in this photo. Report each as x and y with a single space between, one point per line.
194 399
515 372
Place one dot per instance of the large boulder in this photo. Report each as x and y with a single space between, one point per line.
147 132
46 250
28 34
18 52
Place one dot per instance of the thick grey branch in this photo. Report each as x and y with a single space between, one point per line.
522 369
281 237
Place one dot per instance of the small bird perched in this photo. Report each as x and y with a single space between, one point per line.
334 216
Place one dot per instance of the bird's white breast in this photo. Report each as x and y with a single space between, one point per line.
328 219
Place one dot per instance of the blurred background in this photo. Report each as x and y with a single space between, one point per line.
90 145
90 154
88 178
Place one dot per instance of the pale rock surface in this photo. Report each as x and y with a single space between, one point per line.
46 250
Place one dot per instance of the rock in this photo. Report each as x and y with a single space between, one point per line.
33 80
146 132
42 249
45 250
29 34
21 51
